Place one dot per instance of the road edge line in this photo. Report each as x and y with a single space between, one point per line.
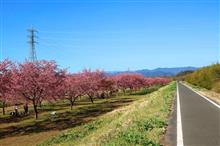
179 130
218 106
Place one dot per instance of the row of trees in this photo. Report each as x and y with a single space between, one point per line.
35 82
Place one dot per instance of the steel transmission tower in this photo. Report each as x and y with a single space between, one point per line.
32 42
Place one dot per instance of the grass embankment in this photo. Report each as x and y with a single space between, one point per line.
27 131
207 77
141 123
206 81
207 93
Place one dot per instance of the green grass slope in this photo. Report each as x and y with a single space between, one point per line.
207 77
140 123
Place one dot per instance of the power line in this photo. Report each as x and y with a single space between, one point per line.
58 39
112 1
50 46
55 44
57 32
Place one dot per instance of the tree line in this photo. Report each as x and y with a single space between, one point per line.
35 82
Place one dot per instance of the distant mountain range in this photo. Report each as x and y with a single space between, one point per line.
158 72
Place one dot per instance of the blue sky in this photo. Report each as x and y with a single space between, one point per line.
113 35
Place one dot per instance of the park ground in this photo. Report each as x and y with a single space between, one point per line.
28 131
142 122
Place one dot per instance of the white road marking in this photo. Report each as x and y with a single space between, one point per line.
179 121
218 106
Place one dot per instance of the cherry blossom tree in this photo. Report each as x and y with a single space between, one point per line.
58 87
106 87
35 81
39 81
137 81
5 82
148 81
156 81
131 81
73 87
90 82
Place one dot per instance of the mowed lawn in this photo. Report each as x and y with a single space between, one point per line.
28 131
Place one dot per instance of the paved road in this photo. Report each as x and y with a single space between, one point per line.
200 119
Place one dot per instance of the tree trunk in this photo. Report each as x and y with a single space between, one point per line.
110 93
26 108
124 91
40 104
91 99
35 110
72 101
3 108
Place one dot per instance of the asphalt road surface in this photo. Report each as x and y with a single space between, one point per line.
200 119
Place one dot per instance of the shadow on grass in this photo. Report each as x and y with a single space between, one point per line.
21 117
83 112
